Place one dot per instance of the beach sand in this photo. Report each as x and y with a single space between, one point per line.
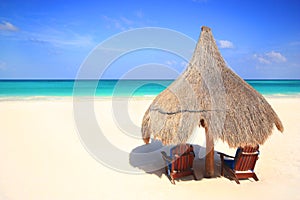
43 157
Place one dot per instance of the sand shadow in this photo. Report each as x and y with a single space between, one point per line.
148 158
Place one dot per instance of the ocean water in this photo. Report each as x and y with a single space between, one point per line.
120 88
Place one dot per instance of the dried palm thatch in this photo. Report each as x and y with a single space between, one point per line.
208 93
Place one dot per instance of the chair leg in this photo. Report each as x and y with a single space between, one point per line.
255 177
222 164
234 176
222 170
173 181
169 175
166 170
236 179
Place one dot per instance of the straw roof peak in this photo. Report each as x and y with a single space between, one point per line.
205 28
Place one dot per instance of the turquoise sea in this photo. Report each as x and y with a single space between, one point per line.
120 88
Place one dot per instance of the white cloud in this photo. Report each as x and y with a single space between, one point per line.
61 39
76 40
295 43
174 63
6 26
171 62
261 59
270 57
124 23
45 35
114 23
276 56
225 44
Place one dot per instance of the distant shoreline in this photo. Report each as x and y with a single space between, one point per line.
27 89
105 98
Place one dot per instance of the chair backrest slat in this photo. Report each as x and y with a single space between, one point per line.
183 156
246 159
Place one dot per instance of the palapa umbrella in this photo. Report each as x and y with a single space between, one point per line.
211 95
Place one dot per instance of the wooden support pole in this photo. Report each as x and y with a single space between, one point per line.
209 158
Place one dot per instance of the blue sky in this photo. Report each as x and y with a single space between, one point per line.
51 39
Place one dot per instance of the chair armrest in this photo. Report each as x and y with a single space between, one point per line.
166 157
222 155
252 153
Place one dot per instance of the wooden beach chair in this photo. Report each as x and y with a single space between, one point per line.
242 165
180 161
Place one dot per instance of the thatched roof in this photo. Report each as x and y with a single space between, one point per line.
208 93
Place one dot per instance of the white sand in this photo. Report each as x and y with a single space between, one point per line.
42 157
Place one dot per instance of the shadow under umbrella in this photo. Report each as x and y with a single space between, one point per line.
148 158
